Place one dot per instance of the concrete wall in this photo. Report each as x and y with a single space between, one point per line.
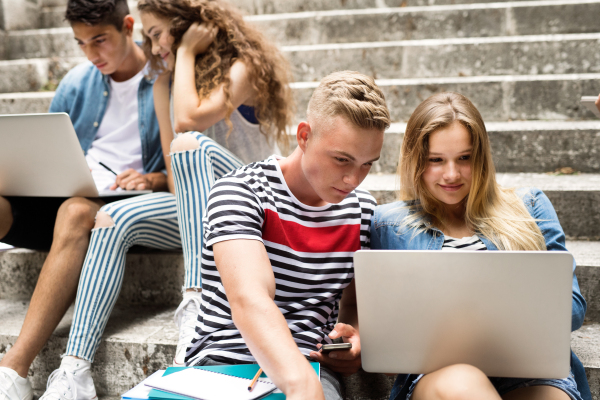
19 14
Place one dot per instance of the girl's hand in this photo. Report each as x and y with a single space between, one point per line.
198 38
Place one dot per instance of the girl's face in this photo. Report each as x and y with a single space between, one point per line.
158 30
448 172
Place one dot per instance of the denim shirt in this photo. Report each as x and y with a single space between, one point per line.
83 94
389 232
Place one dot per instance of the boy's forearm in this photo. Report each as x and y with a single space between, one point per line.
271 343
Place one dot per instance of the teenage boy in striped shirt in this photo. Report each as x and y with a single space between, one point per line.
277 272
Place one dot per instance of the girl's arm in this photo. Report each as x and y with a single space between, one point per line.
547 220
162 109
191 112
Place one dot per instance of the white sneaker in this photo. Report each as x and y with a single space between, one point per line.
14 387
72 381
185 318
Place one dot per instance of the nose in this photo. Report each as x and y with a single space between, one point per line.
353 178
451 172
155 48
90 53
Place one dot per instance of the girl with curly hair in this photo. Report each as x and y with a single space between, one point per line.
221 84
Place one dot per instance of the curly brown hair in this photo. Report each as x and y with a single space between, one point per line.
236 40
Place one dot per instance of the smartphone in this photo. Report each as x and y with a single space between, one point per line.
326 348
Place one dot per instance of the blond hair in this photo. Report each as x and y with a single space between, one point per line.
351 95
492 211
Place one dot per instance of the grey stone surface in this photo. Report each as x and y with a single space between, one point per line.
498 98
30 75
42 43
152 278
508 55
430 22
574 197
19 14
24 103
585 343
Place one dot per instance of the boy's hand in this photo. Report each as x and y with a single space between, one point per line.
598 103
346 362
132 180
198 38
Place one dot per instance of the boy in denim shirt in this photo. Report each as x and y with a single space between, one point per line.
109 100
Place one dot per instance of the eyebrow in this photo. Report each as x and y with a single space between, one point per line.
94 38
343 153
441 154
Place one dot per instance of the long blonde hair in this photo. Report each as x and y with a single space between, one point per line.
492 211
235 40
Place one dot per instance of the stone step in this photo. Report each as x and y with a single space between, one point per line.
431 22
376 24
52 11
575 197
139 341
498 98
530 55
483 56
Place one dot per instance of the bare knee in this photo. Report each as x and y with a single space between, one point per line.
6 218
103 220
77 213
184 142
460 381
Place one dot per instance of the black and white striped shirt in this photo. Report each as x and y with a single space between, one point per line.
466 243
310 249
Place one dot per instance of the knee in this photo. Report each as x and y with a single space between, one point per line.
103 220
77 213
461 381
184 142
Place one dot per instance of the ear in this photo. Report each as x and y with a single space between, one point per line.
128 22
303 134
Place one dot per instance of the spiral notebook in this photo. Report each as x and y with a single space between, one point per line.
208 385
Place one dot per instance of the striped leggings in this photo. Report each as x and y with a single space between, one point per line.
155 220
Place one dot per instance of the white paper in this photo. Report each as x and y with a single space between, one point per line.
141 391
207 385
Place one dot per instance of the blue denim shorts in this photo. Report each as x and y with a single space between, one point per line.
505 385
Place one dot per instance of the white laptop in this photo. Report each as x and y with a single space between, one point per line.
40 155
507 313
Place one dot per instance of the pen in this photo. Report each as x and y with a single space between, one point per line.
251 385
106 166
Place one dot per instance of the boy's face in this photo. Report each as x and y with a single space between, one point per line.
338 156
103 45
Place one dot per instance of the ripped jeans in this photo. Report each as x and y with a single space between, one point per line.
160 221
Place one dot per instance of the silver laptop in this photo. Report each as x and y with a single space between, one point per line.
507 313
40 155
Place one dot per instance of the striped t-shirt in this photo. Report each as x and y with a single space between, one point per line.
310 249
466 243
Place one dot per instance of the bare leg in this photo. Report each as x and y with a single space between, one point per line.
537 393
6 218
455 382
57 284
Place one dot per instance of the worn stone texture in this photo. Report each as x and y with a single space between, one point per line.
25 103
449 57
19 14
152 278
30 75
429 23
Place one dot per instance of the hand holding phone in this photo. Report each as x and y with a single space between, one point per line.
326 348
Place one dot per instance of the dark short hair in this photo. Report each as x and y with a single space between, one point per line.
97 12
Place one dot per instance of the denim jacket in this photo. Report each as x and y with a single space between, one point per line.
83 94
389 232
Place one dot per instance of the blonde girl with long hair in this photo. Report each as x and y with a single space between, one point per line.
449 199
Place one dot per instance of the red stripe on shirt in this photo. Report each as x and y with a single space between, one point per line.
308 239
